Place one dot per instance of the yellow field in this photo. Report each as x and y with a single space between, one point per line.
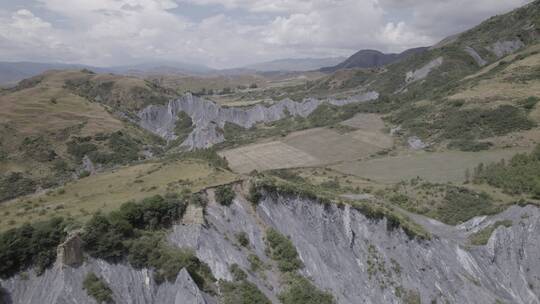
108 190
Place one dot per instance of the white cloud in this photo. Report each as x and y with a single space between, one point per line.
109 32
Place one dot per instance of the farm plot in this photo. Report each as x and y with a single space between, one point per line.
434 167
313 147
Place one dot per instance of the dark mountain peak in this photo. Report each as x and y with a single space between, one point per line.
371 59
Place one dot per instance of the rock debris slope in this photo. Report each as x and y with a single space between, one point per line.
209 118
357 259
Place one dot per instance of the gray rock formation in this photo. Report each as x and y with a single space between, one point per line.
423 72
503 48
416 143
477 58
357 259
209 118
63 285
70 252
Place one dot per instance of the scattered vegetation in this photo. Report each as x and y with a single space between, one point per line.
105 235
15 184
482 237
30 245
240 291
183 126
449 204
225 195
520 175
282 251
300 290
242 238
97 288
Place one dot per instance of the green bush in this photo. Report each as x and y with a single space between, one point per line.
242 239
300 290
105 235
97 288
183 126
482 237
237 273
241 292
460 205
30 245
225 195
14 185
151 251
520 175
282 251
469 145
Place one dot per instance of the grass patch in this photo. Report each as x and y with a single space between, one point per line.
225 195
300 290
97 288
240 291
283 251
482 237
520 175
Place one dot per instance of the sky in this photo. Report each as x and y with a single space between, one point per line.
227 33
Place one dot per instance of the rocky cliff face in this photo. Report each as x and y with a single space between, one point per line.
358 260
209 118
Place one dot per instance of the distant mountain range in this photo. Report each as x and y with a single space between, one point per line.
13 72
371 59
295 65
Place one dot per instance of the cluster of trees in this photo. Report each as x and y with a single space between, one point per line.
225 195
97 288
520 175
106 236
30 245
240 291
133 233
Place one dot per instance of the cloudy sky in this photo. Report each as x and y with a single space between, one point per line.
226 33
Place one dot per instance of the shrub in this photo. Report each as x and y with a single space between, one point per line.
520 175
282 251
242 292
469 145
482 237
237 273
15 184
183 126
301 291
152 252
104 236
97 288
30 245
242 239
225 195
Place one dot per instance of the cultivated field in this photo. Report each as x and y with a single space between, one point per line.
107 191
312 147
434 167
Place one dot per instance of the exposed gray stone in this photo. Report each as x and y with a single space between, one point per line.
503 48
209 118
424 71
474 54
359 260
416 143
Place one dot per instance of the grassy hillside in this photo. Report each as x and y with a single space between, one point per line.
46 130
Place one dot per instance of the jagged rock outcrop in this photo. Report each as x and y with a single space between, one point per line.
503 48
209 118
423 72
477 58
355 258
63 285
70 252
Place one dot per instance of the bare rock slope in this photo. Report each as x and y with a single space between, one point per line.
357 259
